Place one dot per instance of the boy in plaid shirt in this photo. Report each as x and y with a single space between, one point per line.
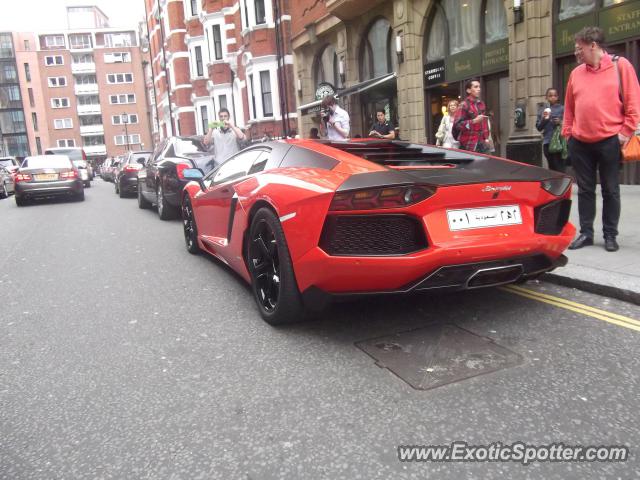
471 121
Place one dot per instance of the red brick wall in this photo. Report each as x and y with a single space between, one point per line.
304 12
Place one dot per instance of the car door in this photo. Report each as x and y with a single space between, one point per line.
148 183
217 204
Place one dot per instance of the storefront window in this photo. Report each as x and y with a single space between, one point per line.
464 24
327 67
437 44
376 51
573 8
495 21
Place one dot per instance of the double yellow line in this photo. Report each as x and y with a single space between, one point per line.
613 318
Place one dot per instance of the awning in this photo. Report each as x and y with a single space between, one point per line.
313 107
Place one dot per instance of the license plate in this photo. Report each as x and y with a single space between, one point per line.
46 177
466 219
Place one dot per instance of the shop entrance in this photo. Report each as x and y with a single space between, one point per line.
436 105
496 98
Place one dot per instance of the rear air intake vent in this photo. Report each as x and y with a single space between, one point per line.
551 218
372 235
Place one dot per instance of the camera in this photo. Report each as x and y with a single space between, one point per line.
325 114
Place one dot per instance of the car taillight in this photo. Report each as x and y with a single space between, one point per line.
69 174
132 168
22 177
556 186
373 198
180 168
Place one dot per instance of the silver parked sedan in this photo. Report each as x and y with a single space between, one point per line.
6 183
47 176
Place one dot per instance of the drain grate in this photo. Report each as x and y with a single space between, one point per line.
438 355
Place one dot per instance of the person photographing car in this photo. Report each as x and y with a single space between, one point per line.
224 137
335 122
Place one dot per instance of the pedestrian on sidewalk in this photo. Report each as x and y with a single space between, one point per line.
602 110
470 122
444 136
549 119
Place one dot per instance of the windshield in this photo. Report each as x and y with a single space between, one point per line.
50 161
72 153
185 146
206 164
7 162
139 156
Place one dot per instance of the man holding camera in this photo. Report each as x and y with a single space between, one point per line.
335 122
225 136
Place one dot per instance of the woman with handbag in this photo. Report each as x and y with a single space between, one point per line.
550 119
444 135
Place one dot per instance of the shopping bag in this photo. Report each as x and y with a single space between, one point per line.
631 151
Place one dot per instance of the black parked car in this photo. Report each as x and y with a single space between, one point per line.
161 181
126 180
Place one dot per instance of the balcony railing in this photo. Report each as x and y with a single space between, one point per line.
89 109
95 150
86 89
92 129
83 67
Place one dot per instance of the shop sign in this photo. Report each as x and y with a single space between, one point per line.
565 31
495 56
621 22
464 65
434 73
324 89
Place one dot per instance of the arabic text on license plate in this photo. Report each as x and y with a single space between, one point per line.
484 217
46 176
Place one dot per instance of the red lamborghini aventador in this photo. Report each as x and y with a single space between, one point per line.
304 220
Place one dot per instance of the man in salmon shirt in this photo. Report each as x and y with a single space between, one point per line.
598 123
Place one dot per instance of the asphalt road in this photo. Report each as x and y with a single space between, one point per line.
124 357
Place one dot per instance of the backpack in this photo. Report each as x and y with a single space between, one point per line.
456 130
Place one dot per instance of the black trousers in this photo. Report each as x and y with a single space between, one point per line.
588 159
554 160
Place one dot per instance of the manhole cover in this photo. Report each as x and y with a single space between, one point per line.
437 355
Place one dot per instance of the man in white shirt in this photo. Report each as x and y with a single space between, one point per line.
336 125
225 139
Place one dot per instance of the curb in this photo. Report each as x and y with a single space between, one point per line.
599 289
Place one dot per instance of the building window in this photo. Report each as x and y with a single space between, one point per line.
88 100
12 122
60 123
199 67
117 119
463 18
222 101
194 8
261 14
573 8
245 18
53 60
93 141
120 78
60 102
54 41
38 143
32 102
82 58
34 120
86 80
265 86
27 47
134 139
376 55
495 21
204 117
57 81
217 42
253 97
70 142
80 40
122 98
10 97
119 40
117 57
437 43
27 72
326 69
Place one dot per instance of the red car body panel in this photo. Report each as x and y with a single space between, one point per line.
301 198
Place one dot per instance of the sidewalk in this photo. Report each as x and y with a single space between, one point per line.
594 269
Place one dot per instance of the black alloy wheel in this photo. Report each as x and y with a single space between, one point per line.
190 227
272 278
165 211
116 186
142 202
121 193
80 196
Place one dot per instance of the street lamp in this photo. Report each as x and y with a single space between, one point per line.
125 119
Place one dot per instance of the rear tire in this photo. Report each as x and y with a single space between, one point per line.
3 191
87 184
115 185
189 227
21 202
143 203
80 197
120 192
165 211
273 281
